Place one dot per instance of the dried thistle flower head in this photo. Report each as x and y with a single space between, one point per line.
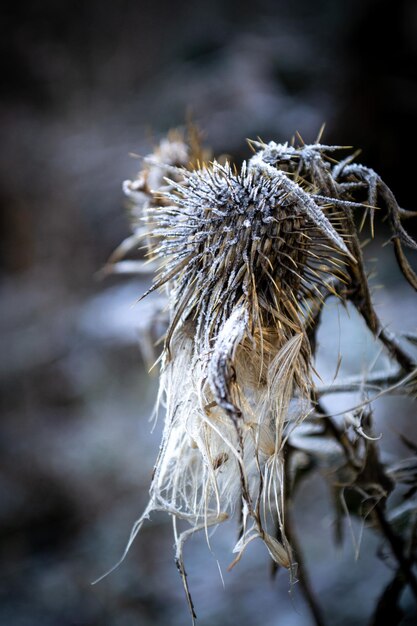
247 258
243 254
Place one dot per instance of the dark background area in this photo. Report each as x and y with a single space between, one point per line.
84 85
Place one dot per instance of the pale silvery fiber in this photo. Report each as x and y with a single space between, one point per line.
246 256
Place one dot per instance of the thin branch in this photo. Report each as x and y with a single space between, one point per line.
374 380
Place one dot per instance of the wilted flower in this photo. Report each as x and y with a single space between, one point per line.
247 257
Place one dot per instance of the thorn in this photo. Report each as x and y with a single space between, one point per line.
321 131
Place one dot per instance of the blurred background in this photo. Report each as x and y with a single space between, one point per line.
86 84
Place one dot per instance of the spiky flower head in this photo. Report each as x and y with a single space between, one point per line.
253 238
242 253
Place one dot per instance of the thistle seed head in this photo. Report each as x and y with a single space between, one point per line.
247 257
242 254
